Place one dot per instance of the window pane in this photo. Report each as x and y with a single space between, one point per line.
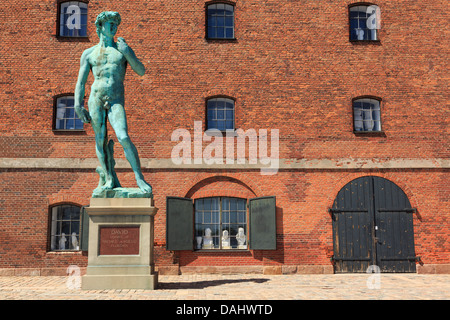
220 114
242 217
226 217
70 112
229 21
220 32
220 21
229 32
241 204
225 204
233 204
229 9
220 103
215 215
198 217
214 203
84 19
377 126
74 227
368 125
212 22
221 125
79 124
376 114
212 124
229 125
83 31
207 217
199 204
70 124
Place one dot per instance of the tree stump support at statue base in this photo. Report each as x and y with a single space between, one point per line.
121 237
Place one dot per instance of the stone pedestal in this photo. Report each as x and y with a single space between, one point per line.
120 253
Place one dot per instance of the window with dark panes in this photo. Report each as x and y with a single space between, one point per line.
65 116
65 228
73 19
220 114
364 22
220 223
220 21
366 115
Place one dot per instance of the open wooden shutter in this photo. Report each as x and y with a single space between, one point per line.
179 223
263 229
84 229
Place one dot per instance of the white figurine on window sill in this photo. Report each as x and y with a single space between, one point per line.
62 242
240 237
225 240
207 240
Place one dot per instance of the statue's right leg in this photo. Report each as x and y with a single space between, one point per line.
98 121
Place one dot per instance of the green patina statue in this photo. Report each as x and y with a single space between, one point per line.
108 61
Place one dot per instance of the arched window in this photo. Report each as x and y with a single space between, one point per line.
65 228
73 19
366 114
364 22
220 114
201 225
65 117
220 20
220 223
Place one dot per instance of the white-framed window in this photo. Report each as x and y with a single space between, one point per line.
366 115
364 22
65 116
65 228
220 223
220 114
220 21
73 19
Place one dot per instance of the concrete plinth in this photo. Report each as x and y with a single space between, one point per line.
120 253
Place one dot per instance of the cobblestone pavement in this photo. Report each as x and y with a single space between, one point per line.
241 287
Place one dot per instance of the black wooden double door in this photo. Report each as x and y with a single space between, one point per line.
373 227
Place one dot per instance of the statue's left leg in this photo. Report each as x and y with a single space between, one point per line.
118 121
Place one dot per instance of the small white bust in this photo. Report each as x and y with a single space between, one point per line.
199 242
207 239
62 242
74 241
225 240
240 237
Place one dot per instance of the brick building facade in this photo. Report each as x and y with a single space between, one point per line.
291 66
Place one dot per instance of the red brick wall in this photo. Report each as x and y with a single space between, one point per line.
304 233
291 68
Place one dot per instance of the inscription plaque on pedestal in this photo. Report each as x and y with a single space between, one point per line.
118 240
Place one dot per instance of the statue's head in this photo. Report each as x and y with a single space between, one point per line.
107 23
